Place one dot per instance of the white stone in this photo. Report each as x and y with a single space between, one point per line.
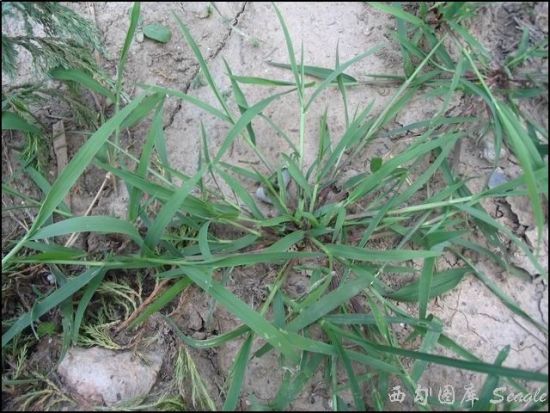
489 150
105 376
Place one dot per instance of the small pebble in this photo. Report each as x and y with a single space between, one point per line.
261 194
286 176
489 151
497 178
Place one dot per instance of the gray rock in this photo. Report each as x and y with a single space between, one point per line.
99 375
497 178
262 193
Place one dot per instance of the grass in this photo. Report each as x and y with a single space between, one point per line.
186 372
333 237
64 53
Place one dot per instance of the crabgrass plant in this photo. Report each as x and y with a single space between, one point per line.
327 328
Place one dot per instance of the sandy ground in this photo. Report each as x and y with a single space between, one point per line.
472 315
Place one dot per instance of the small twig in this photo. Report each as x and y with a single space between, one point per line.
29 215
58 117
60 150
99 104
5 149
22 224
26 269
144 304
75 235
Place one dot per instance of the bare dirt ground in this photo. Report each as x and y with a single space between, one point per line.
249 36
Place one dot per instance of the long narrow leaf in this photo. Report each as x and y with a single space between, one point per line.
52 301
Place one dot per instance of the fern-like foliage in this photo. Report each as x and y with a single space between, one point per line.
55 36
68 39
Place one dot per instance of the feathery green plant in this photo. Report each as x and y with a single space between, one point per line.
64 52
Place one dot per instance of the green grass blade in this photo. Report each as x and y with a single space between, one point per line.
38 246
486 218
471 40
424 286
51 301
260 81
393 164
408 68
252 258
43 184
520 150
380 318
241 102
210 342
245 173
462 364
506 300
170 208
204 67
297 175
242 193
330 78
330 301
78 76
355 390
356 131
162 301
290 49
191 204
251 318
315 71
342 88
203 241
369 319
83 304
399 14
146 107
12 121
288 393
362 254
66 307
443 282
243 121
99 224
134 19
237 375
31 203
491 383
286 242
154 131
428 343
188 98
